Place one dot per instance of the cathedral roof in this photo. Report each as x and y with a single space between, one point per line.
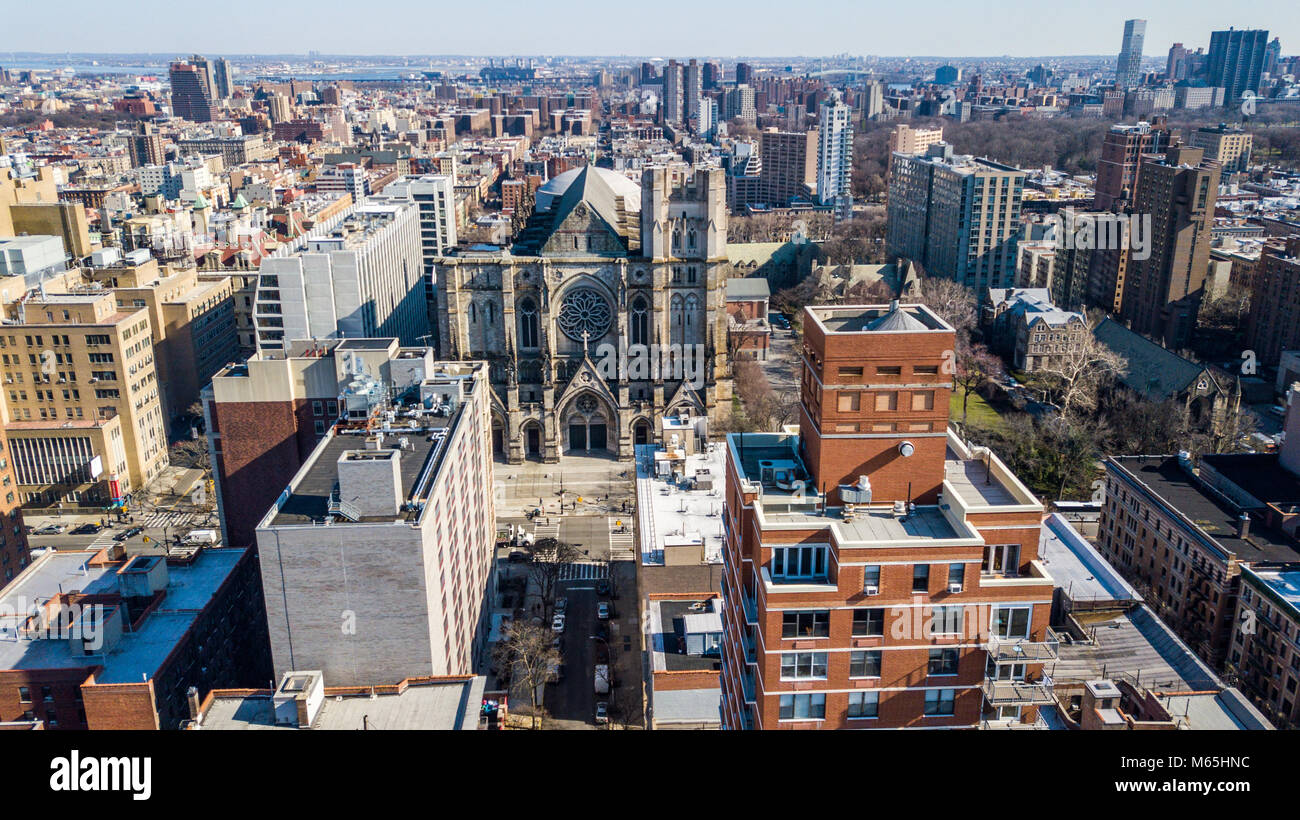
590 193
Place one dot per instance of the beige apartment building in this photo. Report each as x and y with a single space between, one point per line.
1227 145
83 411
905 139
191 317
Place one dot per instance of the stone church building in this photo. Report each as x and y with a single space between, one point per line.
603 265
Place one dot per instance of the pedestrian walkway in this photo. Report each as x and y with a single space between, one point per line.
547 531
621 544
584 571
168 519
103 539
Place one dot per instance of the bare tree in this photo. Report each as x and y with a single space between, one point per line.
549 557
192 453
525 649
953 301
1075 376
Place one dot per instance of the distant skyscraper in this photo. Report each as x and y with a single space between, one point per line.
873 99
1176 64
947 74
191 91
712 75
835 156
221 78
1129 70
1236 60
744 74
673 109
1273 56
693 85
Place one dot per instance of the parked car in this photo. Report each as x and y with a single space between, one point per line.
561 605
49 529
602 587
518 557
602 711
602 610
557 623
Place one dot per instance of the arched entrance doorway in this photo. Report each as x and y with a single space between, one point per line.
641 432
587 425
532 433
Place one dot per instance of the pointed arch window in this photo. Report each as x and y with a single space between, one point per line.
528 334
640 324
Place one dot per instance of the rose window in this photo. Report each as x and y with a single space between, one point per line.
584 310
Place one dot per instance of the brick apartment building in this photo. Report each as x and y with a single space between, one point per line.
1212 546
90 640
878 572
1274 324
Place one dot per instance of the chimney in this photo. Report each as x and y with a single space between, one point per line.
1243 525
192 698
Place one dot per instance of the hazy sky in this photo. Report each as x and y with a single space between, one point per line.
669 28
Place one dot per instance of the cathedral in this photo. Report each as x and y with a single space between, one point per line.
604 272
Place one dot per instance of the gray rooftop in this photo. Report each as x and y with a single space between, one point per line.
880 319
139 654
1077 568
1138 647
438 705
309 497
972 479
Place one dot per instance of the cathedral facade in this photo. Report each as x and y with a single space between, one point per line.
606 315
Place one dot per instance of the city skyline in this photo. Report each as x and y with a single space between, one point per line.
965 32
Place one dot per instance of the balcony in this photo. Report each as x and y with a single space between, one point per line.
751 609
1012 650
1019 692
1013 725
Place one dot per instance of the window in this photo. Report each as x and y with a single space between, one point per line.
1011 621
926 370
24 695
921 578
803 707
850 372
940 701
943 662
864 704
806 624
317 408
527 322
864 663
892 370
947 620
887 401
956 574
799 562
1001 559
802 665
868 622
871 576
923 400
848 402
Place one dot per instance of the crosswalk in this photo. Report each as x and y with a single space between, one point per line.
103 539
584 571
621 544
169 519
547 531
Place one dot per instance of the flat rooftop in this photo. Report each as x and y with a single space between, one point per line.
139 653
1135 646
452 704
1260 474
668 633
673 510
309 495
1077 568
974 479
1163 476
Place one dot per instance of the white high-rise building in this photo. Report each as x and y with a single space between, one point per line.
835 156
359 277
435 195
